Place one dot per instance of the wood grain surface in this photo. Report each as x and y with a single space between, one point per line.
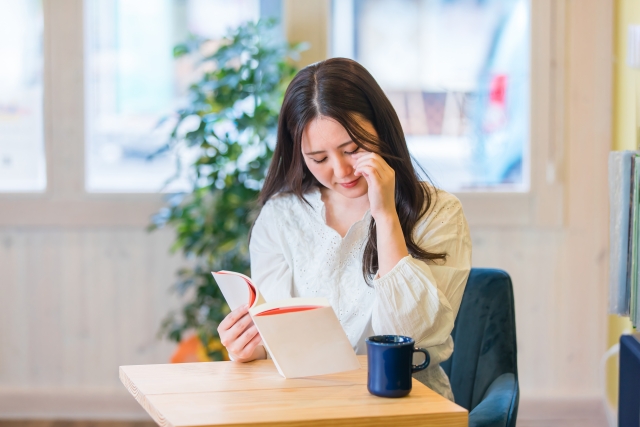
244 394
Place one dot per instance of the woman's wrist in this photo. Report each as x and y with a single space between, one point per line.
391 244
387 220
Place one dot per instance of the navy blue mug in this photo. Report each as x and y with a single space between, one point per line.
390 360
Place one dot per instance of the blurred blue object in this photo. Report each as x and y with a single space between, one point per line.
501 114
629 392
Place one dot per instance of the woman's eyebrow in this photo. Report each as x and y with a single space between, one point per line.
322 151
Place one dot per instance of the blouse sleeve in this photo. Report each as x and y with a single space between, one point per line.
270 270
421 299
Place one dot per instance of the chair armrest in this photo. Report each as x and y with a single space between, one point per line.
499 405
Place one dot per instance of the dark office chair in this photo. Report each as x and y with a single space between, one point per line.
483 369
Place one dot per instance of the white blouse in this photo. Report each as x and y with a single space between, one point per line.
294 253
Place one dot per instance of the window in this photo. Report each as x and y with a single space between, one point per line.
22 158
133 83
457 73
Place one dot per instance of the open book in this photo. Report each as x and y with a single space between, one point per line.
302 335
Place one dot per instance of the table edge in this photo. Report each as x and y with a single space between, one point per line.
457 419
142 399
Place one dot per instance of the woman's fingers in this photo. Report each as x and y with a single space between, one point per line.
376 166
247 336
381 181
370 163
231 318
247 353
365 157
375 161
369 172
239 327
361 154
255 341
229 336
239 334
241 346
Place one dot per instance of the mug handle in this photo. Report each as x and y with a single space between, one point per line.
427 359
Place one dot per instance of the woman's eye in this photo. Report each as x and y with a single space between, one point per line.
319 161
354 151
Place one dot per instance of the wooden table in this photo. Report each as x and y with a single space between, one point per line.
249 394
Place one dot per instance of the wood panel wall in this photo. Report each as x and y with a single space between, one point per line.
560 269
76 304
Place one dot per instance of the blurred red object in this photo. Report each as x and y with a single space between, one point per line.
497 92
190 350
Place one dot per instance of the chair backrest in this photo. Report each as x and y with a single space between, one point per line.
484 336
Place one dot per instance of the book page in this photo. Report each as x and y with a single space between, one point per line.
306 343
290 302
236 290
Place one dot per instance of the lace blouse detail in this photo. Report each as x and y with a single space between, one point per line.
294 253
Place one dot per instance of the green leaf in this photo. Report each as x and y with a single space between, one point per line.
212 222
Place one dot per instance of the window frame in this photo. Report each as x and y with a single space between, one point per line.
66 203
542 205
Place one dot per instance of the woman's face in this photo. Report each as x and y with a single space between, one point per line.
331 155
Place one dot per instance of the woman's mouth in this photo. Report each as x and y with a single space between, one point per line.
350 184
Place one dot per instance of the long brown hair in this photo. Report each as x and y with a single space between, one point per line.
344 90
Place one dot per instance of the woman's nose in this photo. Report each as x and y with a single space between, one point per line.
342 168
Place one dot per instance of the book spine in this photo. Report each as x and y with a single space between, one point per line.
629 229
619 210
633 241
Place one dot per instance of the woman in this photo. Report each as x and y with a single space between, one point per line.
345 217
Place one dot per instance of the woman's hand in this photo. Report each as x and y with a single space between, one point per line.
381 179
240 336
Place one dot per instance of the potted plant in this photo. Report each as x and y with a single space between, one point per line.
233 110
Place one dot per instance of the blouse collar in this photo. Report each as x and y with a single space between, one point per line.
314 197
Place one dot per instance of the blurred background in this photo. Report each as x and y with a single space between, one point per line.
109 138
